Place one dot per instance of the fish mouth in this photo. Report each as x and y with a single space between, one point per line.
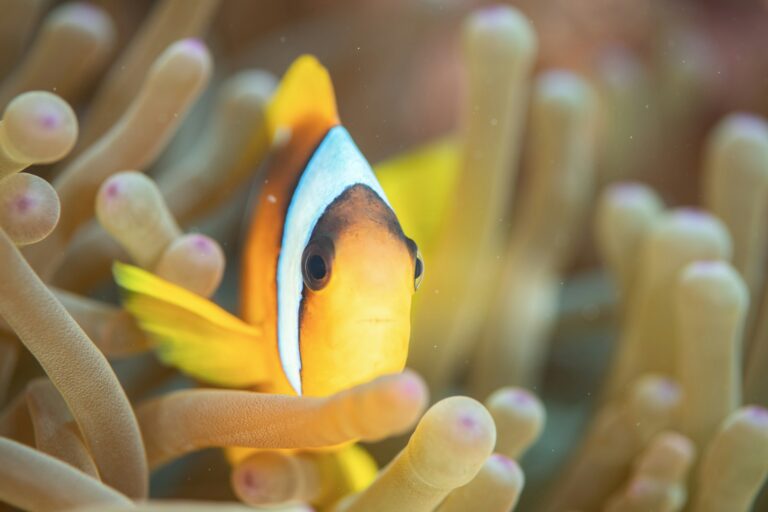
376 320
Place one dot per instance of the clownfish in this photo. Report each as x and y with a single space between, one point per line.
327 275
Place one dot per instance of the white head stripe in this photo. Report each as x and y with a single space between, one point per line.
336 165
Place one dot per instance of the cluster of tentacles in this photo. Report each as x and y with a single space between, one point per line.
133 172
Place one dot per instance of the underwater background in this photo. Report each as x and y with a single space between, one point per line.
581 189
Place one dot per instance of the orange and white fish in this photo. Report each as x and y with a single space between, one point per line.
327 276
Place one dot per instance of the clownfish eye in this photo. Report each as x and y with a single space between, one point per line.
316 263
418 270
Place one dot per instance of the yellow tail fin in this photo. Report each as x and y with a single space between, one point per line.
192 333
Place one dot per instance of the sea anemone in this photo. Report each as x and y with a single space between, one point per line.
576 344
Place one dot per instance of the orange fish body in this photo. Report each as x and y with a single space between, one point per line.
327 274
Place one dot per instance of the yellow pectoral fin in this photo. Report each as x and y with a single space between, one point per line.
192 333
420 185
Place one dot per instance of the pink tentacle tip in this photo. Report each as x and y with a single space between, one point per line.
707 266
626 192
492 13
252 482
503 462
24 203
468 421
201 243
758 415
669 391
744 121
410 387
640 488
519 397
692 215
195 45
112 190
48 120
86 13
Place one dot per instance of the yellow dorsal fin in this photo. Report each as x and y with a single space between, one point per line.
420 185
192 333
304 92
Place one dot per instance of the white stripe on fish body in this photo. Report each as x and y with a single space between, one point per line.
336 165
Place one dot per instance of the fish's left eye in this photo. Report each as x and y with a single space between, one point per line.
316 264
418 270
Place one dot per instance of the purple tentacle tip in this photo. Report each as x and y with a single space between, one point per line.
252 482
523 397
468 421
503 461
86 12
24 203
201 243
692 215
195 45
49 119
519 397
410 387
707 266
112 190
758 414
626 192
747 122
669 390
491 16
640 488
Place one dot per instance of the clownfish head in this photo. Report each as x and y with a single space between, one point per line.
359 272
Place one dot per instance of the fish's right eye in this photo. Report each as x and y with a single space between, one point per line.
418 270
316 264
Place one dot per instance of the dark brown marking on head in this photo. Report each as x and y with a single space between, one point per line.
359 203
